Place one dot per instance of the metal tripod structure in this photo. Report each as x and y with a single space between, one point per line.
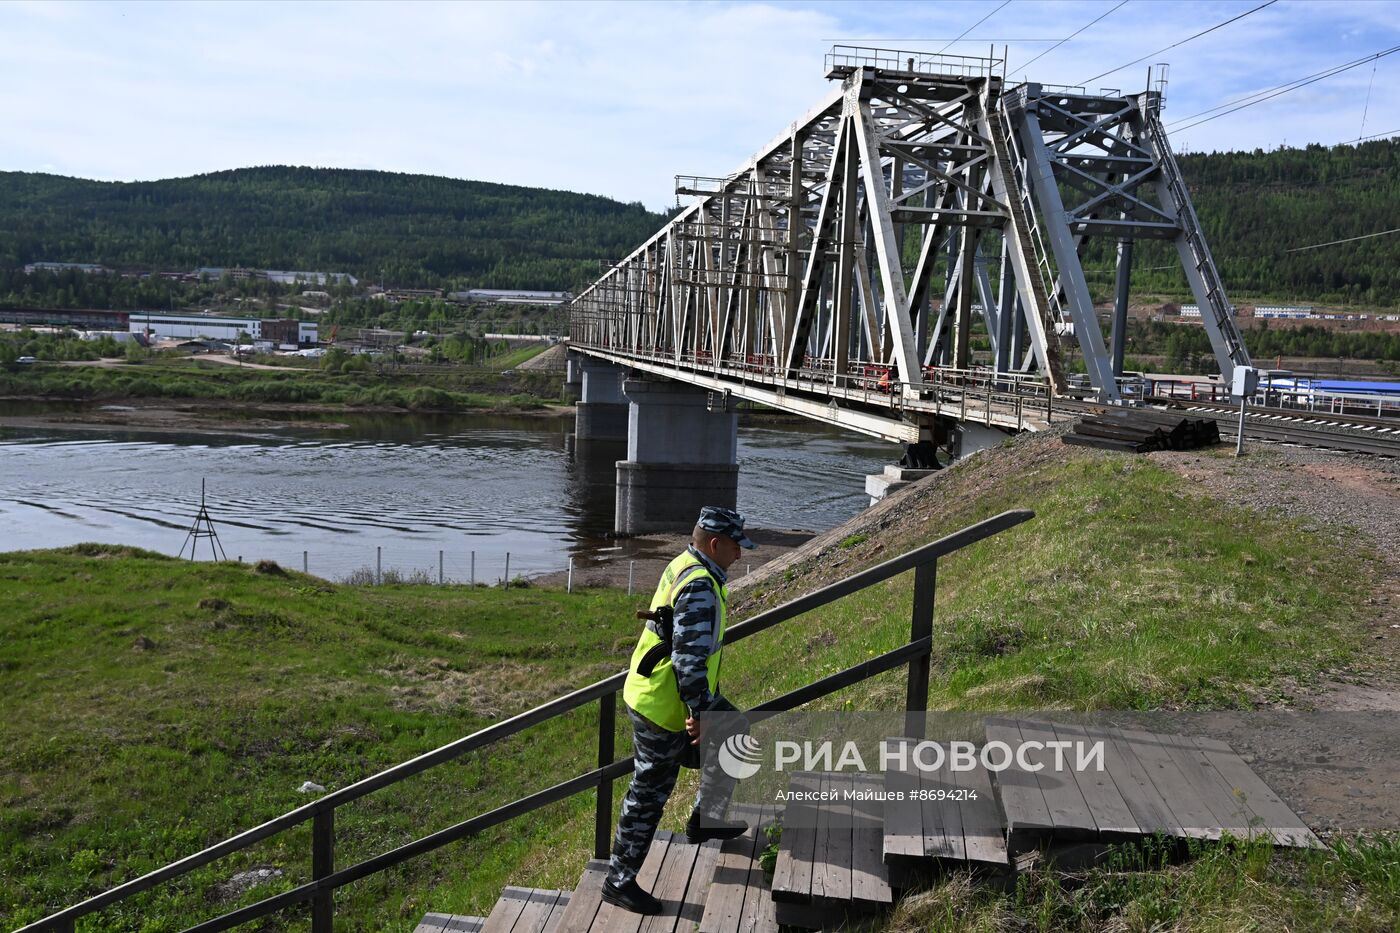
922 209
203 527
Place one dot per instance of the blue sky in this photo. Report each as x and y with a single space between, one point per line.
610 98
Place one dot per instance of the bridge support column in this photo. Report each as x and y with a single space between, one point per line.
680 456
573 380
602 408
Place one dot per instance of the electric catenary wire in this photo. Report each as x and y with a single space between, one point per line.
1182 42
1301 83
1287 85
1069 37
973 26
1350 239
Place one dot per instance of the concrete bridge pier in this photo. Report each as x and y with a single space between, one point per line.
680 456
573 379
602 408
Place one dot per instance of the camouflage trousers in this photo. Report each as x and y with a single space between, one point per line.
658 755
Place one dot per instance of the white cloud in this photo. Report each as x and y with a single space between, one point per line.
612 98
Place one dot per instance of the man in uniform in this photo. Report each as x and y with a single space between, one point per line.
666 706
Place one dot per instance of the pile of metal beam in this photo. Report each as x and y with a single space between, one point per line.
1142 430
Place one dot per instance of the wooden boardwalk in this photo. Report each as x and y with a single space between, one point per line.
675 871
740 899
942 815
1179 786
843 857
832 853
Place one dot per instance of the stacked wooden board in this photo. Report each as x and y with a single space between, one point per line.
1142 430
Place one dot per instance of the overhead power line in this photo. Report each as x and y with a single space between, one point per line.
1287 85
1067 38
1351 239
974 26
1182 42
1394 132
1279 91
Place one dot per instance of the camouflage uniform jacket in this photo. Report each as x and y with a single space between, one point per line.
695 630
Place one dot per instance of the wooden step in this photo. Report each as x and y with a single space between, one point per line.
527 910
740 899
449 923
675 871
941 815
830 855
1181 786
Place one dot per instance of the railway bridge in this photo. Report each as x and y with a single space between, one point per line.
925 208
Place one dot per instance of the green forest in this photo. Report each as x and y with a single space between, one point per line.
427 231
406 230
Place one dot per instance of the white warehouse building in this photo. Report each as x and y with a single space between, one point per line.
196 326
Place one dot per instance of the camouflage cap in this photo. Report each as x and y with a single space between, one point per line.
725 522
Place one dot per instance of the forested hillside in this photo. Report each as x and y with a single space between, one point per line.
1255 206
418 230
410 230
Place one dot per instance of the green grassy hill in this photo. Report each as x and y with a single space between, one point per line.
404 229
155 706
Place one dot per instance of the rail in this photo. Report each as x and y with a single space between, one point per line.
326 878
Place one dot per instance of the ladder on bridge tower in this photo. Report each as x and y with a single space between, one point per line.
1035 279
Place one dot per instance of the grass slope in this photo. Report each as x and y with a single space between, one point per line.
1128 589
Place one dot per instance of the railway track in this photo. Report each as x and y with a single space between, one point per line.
1358 434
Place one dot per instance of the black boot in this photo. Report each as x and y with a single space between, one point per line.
702 829
630 897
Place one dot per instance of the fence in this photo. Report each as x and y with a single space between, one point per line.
326 878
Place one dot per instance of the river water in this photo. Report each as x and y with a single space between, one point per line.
407 485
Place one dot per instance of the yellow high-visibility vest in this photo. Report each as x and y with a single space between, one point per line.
657 697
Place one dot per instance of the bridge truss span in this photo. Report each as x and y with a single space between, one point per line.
917 235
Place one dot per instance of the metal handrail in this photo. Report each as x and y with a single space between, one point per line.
321 812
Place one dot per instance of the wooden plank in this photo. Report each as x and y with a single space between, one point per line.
1190 812
432 923
831 871
671 886
1148 807
698 890
1027 816
792 878
943 830
507 910
1286 827
1111 812
984 839
551 923
757 915
587 899
870 878
903 817
737 857
1203 781
539 905
612 919
1069 813
458 924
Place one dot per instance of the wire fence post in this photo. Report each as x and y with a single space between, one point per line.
439 566
569 587
473 577
631 566
304 563
507 579
378 565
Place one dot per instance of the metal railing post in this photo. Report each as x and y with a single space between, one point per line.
602 824
323 866
921 626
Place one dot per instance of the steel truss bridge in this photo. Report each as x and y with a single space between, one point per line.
841 273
